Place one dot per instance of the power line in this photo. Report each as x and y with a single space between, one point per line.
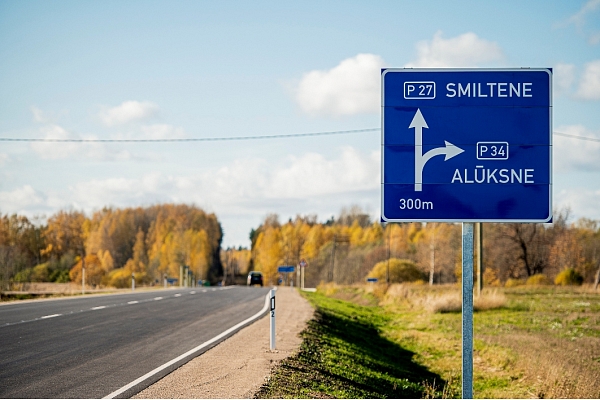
210 139
232 138
577 137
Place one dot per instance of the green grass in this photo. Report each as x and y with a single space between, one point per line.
345 355
544 342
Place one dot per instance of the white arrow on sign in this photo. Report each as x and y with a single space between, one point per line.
450 150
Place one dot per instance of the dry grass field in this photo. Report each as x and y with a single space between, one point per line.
530 342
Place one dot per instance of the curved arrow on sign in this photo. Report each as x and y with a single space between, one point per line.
450 150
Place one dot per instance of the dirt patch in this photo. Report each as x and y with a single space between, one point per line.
237 367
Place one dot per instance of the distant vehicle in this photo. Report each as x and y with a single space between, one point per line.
255 278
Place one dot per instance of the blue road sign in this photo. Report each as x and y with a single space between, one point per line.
466 145
285 268
372 280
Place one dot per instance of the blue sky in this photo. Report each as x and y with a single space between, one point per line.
136 70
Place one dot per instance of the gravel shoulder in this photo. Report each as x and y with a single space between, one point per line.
237 367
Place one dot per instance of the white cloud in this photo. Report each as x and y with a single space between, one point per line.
4 158
97 193
242 184
55 150
579 17
580 20
564 77
128 111
466 50
582 202
78 150
38 115
313 175
352 87
20 199
572 154
162 131
589 84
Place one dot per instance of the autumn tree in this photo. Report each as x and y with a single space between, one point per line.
21 245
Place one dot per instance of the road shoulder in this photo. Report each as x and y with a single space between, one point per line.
237 367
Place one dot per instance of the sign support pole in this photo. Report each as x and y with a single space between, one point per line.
479 231
467 310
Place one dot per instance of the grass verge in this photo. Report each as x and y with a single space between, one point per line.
345 355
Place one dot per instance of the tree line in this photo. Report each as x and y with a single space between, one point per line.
112 244
155 241
347 249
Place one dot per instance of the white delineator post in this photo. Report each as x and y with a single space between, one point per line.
132 281
272 341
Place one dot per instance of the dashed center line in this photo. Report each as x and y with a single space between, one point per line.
110 306
50 316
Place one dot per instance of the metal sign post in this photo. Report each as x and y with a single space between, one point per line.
467 310
272 311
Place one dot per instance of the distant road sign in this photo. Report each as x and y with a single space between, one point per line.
494 130
372 279
285 268
303 263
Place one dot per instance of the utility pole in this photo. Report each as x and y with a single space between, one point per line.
332 259
224 281
83 274
341 239
597 279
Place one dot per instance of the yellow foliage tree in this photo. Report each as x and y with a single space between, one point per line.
314 240
399 271
93 271
269 253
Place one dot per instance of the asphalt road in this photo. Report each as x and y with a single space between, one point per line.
88 347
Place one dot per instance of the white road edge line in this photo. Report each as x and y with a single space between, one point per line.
50 316
98 308
192 351
133 302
